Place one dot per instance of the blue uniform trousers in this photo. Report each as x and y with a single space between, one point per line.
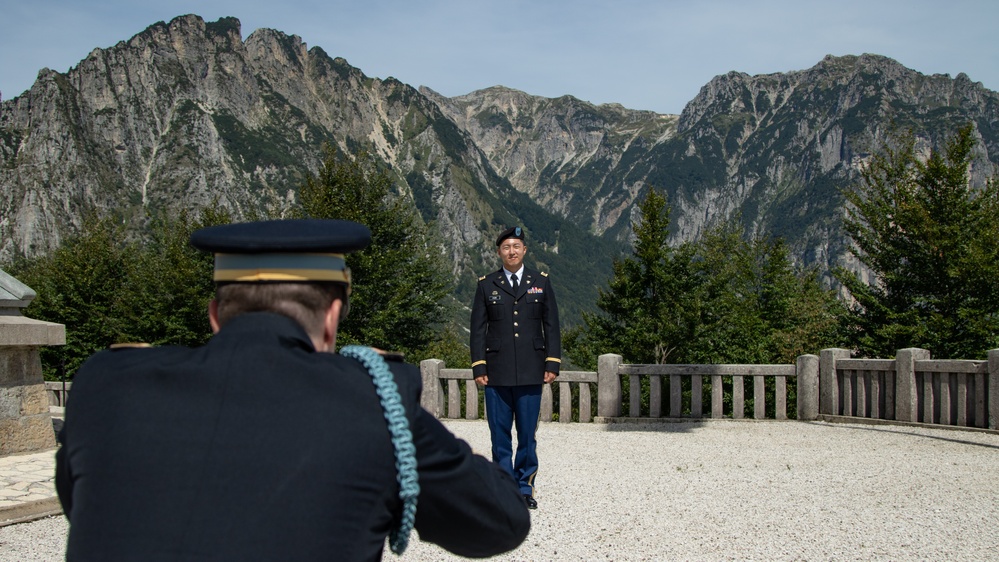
507 406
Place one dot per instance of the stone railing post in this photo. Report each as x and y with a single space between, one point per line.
828 385
807 370
906 391
432 398
25 423
608 386
993 389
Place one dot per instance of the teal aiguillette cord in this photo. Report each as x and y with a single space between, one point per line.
402 440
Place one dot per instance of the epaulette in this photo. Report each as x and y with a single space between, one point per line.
129 345
482 278
393 356
544 274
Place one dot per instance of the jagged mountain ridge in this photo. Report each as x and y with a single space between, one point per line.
773 150
788 143
186 113
560 151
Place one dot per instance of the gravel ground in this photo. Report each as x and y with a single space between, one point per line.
729 490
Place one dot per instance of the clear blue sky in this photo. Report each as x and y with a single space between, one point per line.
644 54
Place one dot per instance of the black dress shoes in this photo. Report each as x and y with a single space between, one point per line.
531 502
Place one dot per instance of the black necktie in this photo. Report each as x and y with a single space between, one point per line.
513 282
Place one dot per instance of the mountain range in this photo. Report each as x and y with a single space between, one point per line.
186 114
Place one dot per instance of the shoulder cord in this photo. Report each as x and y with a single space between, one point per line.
402 440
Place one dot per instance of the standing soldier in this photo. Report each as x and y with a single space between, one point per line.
516 350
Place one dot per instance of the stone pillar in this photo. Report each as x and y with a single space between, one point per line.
828 380
906 389
807 369
432 398
25 424
608 386
993 384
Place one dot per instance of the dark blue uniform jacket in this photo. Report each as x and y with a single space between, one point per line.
515 338
255 447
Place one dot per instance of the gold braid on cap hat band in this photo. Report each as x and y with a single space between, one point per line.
256 268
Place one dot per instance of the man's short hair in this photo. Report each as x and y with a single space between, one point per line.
306 303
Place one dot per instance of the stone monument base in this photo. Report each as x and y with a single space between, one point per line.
25 422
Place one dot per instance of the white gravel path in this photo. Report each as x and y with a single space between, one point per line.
729 490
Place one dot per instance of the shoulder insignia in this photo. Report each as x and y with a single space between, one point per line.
129 345
390 355
544 274
482 278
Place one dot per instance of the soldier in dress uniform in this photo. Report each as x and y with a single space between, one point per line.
516 349
265 444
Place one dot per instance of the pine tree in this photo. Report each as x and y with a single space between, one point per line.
170 284
721 299
78 285
107 286
400 281
645 315
932 241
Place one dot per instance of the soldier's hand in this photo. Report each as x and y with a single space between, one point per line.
549 377
482 380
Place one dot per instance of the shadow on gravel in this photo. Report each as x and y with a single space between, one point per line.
906 431
655 425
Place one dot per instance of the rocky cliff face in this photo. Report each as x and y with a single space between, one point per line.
564 153
783 146
186 113
773 151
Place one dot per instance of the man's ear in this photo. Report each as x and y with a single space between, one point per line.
331 322
213 316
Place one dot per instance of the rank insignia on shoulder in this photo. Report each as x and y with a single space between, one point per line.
129 345
482 278
544 273
394 356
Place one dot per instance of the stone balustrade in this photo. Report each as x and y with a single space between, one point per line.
831 386
911 388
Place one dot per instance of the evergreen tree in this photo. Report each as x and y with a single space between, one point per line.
108 288
756 306
722 299
170 284
932 240
801 315
730 327
646 315
401 280
79 285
